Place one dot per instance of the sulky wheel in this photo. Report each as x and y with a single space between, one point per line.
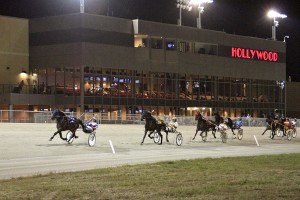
92 139
179 139
289 134
204 137
240 134
294 133
156 138
70 137
278 133
272 134
223 136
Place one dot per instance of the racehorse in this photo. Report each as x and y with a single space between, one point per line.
274 125
218 119
65 123
230 124
269 121
204 125
153 125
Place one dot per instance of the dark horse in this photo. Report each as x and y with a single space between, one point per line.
65 123
153 125
275 125
204 125
230 124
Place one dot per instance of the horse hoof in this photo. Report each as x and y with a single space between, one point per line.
141 143
76 136
167 140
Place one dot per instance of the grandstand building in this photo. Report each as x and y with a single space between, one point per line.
93 63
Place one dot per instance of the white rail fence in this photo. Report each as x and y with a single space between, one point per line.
21 116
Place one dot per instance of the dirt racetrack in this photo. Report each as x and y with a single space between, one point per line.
26 149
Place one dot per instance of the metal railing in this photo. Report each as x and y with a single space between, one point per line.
23 116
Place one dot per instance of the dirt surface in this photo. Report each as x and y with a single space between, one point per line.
26 150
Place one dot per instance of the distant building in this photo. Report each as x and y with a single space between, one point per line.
94 63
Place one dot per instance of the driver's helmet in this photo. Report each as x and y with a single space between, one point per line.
174 119
94 119
276 110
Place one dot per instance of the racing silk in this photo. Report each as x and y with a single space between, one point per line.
92 124
173 124
72 120
238 124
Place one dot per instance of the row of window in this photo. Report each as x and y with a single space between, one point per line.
174 45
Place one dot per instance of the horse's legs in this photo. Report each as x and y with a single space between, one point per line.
266 130
60 135
232 130
161 137
213 131
167 139
195 134
144 137
150 135
283 131
54 134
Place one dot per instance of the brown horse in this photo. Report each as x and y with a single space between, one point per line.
153 125
65 123
204 125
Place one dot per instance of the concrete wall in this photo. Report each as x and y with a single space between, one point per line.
14 49
293 99
102 41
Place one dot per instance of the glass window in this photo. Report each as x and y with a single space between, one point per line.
170 45
184 46
140 41
157 43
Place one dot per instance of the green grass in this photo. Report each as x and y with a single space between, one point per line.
261 177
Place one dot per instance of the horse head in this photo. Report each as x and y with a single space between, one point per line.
218 118
197 115
56 114
146 115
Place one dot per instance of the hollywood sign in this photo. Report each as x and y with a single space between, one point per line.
253 54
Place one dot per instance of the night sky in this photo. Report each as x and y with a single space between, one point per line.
241 17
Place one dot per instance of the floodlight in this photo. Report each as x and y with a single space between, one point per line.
274 14
200 8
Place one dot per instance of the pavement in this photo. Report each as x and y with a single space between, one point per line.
25 149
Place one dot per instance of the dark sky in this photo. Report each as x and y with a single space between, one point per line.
241 17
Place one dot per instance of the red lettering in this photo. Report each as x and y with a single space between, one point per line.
259 55
275 56
233 52
266 55
254 54
239 52
270 56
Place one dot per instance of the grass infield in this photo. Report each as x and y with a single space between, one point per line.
258 177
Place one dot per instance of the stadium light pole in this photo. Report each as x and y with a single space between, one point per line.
81 6
285 38
274 14
183 5
200 3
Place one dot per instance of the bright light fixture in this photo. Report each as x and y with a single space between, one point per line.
275 14
197 2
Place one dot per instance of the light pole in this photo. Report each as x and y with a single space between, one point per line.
285 37
201 9
282 85
274 14
183 5
81 6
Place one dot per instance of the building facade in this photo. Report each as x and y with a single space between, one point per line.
91 63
